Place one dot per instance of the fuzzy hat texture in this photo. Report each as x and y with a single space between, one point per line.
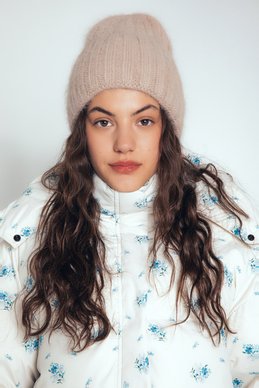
127 51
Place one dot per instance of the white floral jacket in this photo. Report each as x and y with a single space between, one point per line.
145 350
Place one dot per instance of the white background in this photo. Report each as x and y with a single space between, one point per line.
216 47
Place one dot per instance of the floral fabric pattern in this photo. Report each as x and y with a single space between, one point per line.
146 348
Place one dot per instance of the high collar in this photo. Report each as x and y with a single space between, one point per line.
125 203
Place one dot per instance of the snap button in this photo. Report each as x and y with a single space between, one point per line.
251 237
17 237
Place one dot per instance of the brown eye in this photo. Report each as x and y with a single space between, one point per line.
102 123
146 122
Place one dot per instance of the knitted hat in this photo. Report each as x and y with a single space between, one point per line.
127 51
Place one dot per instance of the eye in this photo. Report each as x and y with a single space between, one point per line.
146 122
102 123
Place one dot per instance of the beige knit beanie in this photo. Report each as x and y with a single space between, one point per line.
127 51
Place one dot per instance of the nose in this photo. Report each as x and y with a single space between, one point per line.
124 140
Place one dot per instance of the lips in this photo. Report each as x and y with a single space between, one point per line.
125 166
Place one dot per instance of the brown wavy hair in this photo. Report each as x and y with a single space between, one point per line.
69 269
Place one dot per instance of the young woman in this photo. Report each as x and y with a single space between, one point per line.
130 263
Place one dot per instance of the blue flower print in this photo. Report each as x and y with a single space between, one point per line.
142 239
254 264
88 383
157 332
142 299
228 276
32 345
251 350
27 191
235 340
235 198
109 213
236 232
200 373
6 300
142 203
57 372
6 271
195 159
142 363
27 231
237 383
223 335
209 199
29 283
159 267
117 267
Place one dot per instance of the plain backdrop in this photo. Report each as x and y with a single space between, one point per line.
216 48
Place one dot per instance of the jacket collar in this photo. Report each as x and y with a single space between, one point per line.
125 203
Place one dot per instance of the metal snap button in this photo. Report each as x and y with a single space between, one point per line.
251 237
17 237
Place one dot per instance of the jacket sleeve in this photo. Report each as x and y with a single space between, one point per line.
244 342
18 226
244 315
17 357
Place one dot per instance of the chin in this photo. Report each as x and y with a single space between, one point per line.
125 187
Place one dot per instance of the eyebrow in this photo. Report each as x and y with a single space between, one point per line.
102 110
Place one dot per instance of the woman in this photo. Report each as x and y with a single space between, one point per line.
130 264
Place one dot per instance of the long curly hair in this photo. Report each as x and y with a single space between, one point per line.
69 268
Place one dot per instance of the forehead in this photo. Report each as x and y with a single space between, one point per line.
122 98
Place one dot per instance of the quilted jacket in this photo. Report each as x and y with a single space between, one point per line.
146 349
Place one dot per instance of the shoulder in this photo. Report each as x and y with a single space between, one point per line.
19 220
209 206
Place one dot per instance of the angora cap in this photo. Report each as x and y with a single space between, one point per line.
127 51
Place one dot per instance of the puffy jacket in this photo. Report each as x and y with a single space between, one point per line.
145 350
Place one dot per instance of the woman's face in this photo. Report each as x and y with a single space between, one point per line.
123 130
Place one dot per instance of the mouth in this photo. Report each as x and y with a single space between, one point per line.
125 167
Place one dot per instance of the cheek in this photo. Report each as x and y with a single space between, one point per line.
94 143
156 149
153 145
98 150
